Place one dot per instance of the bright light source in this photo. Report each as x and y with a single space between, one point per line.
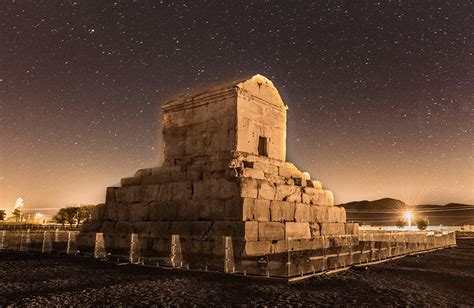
408 217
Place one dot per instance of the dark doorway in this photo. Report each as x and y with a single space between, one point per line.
262 146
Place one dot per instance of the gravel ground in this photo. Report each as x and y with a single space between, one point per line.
442 278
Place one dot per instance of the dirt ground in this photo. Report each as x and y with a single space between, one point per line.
441 278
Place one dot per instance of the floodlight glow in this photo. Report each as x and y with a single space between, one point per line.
408 217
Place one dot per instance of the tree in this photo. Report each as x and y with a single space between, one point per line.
84 213
71 214
60 216
422 223
401 223
3 214
17 214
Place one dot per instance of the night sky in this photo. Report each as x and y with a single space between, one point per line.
379 93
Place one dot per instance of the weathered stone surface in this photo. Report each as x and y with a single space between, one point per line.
143 172
248 188
269 231
266 190
266 168
288 193
320 213
336 214
139 212
130 194
181 191
282 210
352 228
252 173
262 210
303 212
130 181
158 192
313 196
110 195
257 248
330 228
297 230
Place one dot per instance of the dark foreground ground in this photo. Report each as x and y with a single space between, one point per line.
442 278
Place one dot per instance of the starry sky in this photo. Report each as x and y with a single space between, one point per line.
379 93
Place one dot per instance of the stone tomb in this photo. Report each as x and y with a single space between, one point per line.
224 174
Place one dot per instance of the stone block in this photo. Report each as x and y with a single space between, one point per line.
262 210
233 209
315 184
132 181
288 193
252 173
266 168
282 211
297 230
181 191
275 179
332 228
124 227
192 175
158 192
303 212
110 195
328 198
336 214
320 213
160 229
352 228
165 210
123 211
315 229
107 227
248 187
139 212
228 189
210 209
91 226
143 172
130 194
111 212
266 190
313 196
249 211
269 231
257 248
289 171
98 212
178 176
241 230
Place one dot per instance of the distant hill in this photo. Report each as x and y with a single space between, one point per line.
386 212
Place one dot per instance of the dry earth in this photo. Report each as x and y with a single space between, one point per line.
442 278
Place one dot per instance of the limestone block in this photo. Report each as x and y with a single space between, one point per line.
332 228
192 175
165 210
251 173
158 192
305 176
266 190
257 248
249 211
336 214
178 176
315 229
132 181
160 229
233 209
110 195
228 189
181 191
313 196
210 209
91 226
328 198
248 187
269 231
315 184
98 212
124 227
282 210
156 179
266 168
288 193
139 212
275 179
262 210
297 230
352 228
320 213
142 228
241 230
213 174
129 194
107 227
143 172
303 212
111 212
123 211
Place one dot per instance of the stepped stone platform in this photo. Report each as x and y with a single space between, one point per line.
225 194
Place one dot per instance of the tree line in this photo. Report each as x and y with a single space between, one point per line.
74 215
